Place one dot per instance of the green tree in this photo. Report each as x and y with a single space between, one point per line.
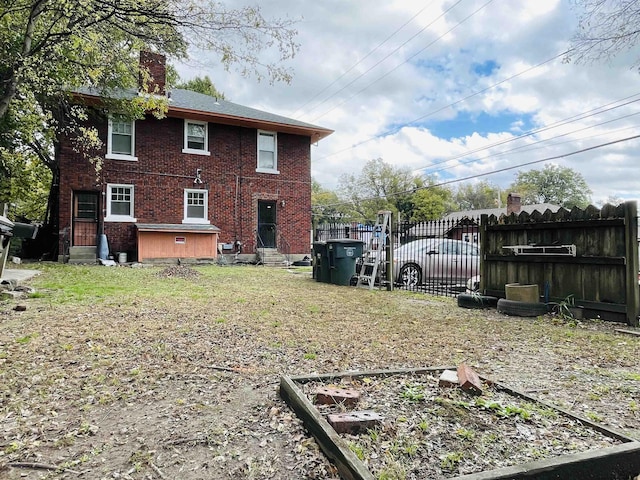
431 203
380 186
476 196
605 28
327 206
553 184
50 47
201 85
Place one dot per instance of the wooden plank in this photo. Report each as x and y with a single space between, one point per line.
557 259
553 225
349 466
631 252
630 332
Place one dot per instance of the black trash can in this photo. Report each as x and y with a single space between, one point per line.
342 254
320 262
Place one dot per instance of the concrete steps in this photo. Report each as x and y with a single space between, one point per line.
83 255
270 257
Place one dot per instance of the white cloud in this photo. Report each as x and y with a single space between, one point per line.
391 107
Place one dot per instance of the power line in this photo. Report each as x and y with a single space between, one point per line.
500 170
490 87
580 116
402 63
527 147
369 54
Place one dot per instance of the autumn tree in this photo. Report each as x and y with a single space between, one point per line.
553 184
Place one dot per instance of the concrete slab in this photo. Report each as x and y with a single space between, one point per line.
18 276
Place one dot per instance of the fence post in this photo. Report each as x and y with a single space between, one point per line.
631 252
389 247
483 243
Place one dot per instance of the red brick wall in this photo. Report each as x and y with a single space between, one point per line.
162 172
155 66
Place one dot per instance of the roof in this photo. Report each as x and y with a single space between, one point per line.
197 106
177 227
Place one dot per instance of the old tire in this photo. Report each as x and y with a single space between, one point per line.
470 300
521 309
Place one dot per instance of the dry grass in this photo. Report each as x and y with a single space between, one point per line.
124 372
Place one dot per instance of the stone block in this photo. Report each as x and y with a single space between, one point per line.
469 380
448 378
354 422
329 396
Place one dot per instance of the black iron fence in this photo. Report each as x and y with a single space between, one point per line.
438 257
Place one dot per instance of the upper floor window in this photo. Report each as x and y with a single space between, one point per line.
121 138
267 152
196 135
196 206
119 203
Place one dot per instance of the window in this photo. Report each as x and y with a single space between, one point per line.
119 203
267 152
195 206
196 137
121 139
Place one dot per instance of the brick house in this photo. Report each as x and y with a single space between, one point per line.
211 177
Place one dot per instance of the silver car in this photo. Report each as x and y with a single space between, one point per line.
438 259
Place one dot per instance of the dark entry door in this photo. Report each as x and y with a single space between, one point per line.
85 219
267 223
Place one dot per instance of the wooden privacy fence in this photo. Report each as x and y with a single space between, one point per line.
589 257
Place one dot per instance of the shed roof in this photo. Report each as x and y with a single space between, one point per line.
177 227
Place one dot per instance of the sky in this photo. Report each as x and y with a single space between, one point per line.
459 90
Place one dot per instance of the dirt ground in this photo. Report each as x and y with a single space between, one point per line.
137 383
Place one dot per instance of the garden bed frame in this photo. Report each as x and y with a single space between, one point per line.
620 462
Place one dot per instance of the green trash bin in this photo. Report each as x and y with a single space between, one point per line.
320 262
342 254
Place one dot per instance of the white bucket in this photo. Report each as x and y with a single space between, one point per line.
122 257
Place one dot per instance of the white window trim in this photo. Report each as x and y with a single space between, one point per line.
195 151
120 156
275 153
119 218
201 221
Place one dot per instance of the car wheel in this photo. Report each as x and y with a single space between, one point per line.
472 300
410 275
521 309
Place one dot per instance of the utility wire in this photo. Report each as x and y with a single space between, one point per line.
479 175
464 99
368 55
580 116
400 64
527 146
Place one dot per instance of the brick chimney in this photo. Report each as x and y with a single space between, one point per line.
153 65
513 203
